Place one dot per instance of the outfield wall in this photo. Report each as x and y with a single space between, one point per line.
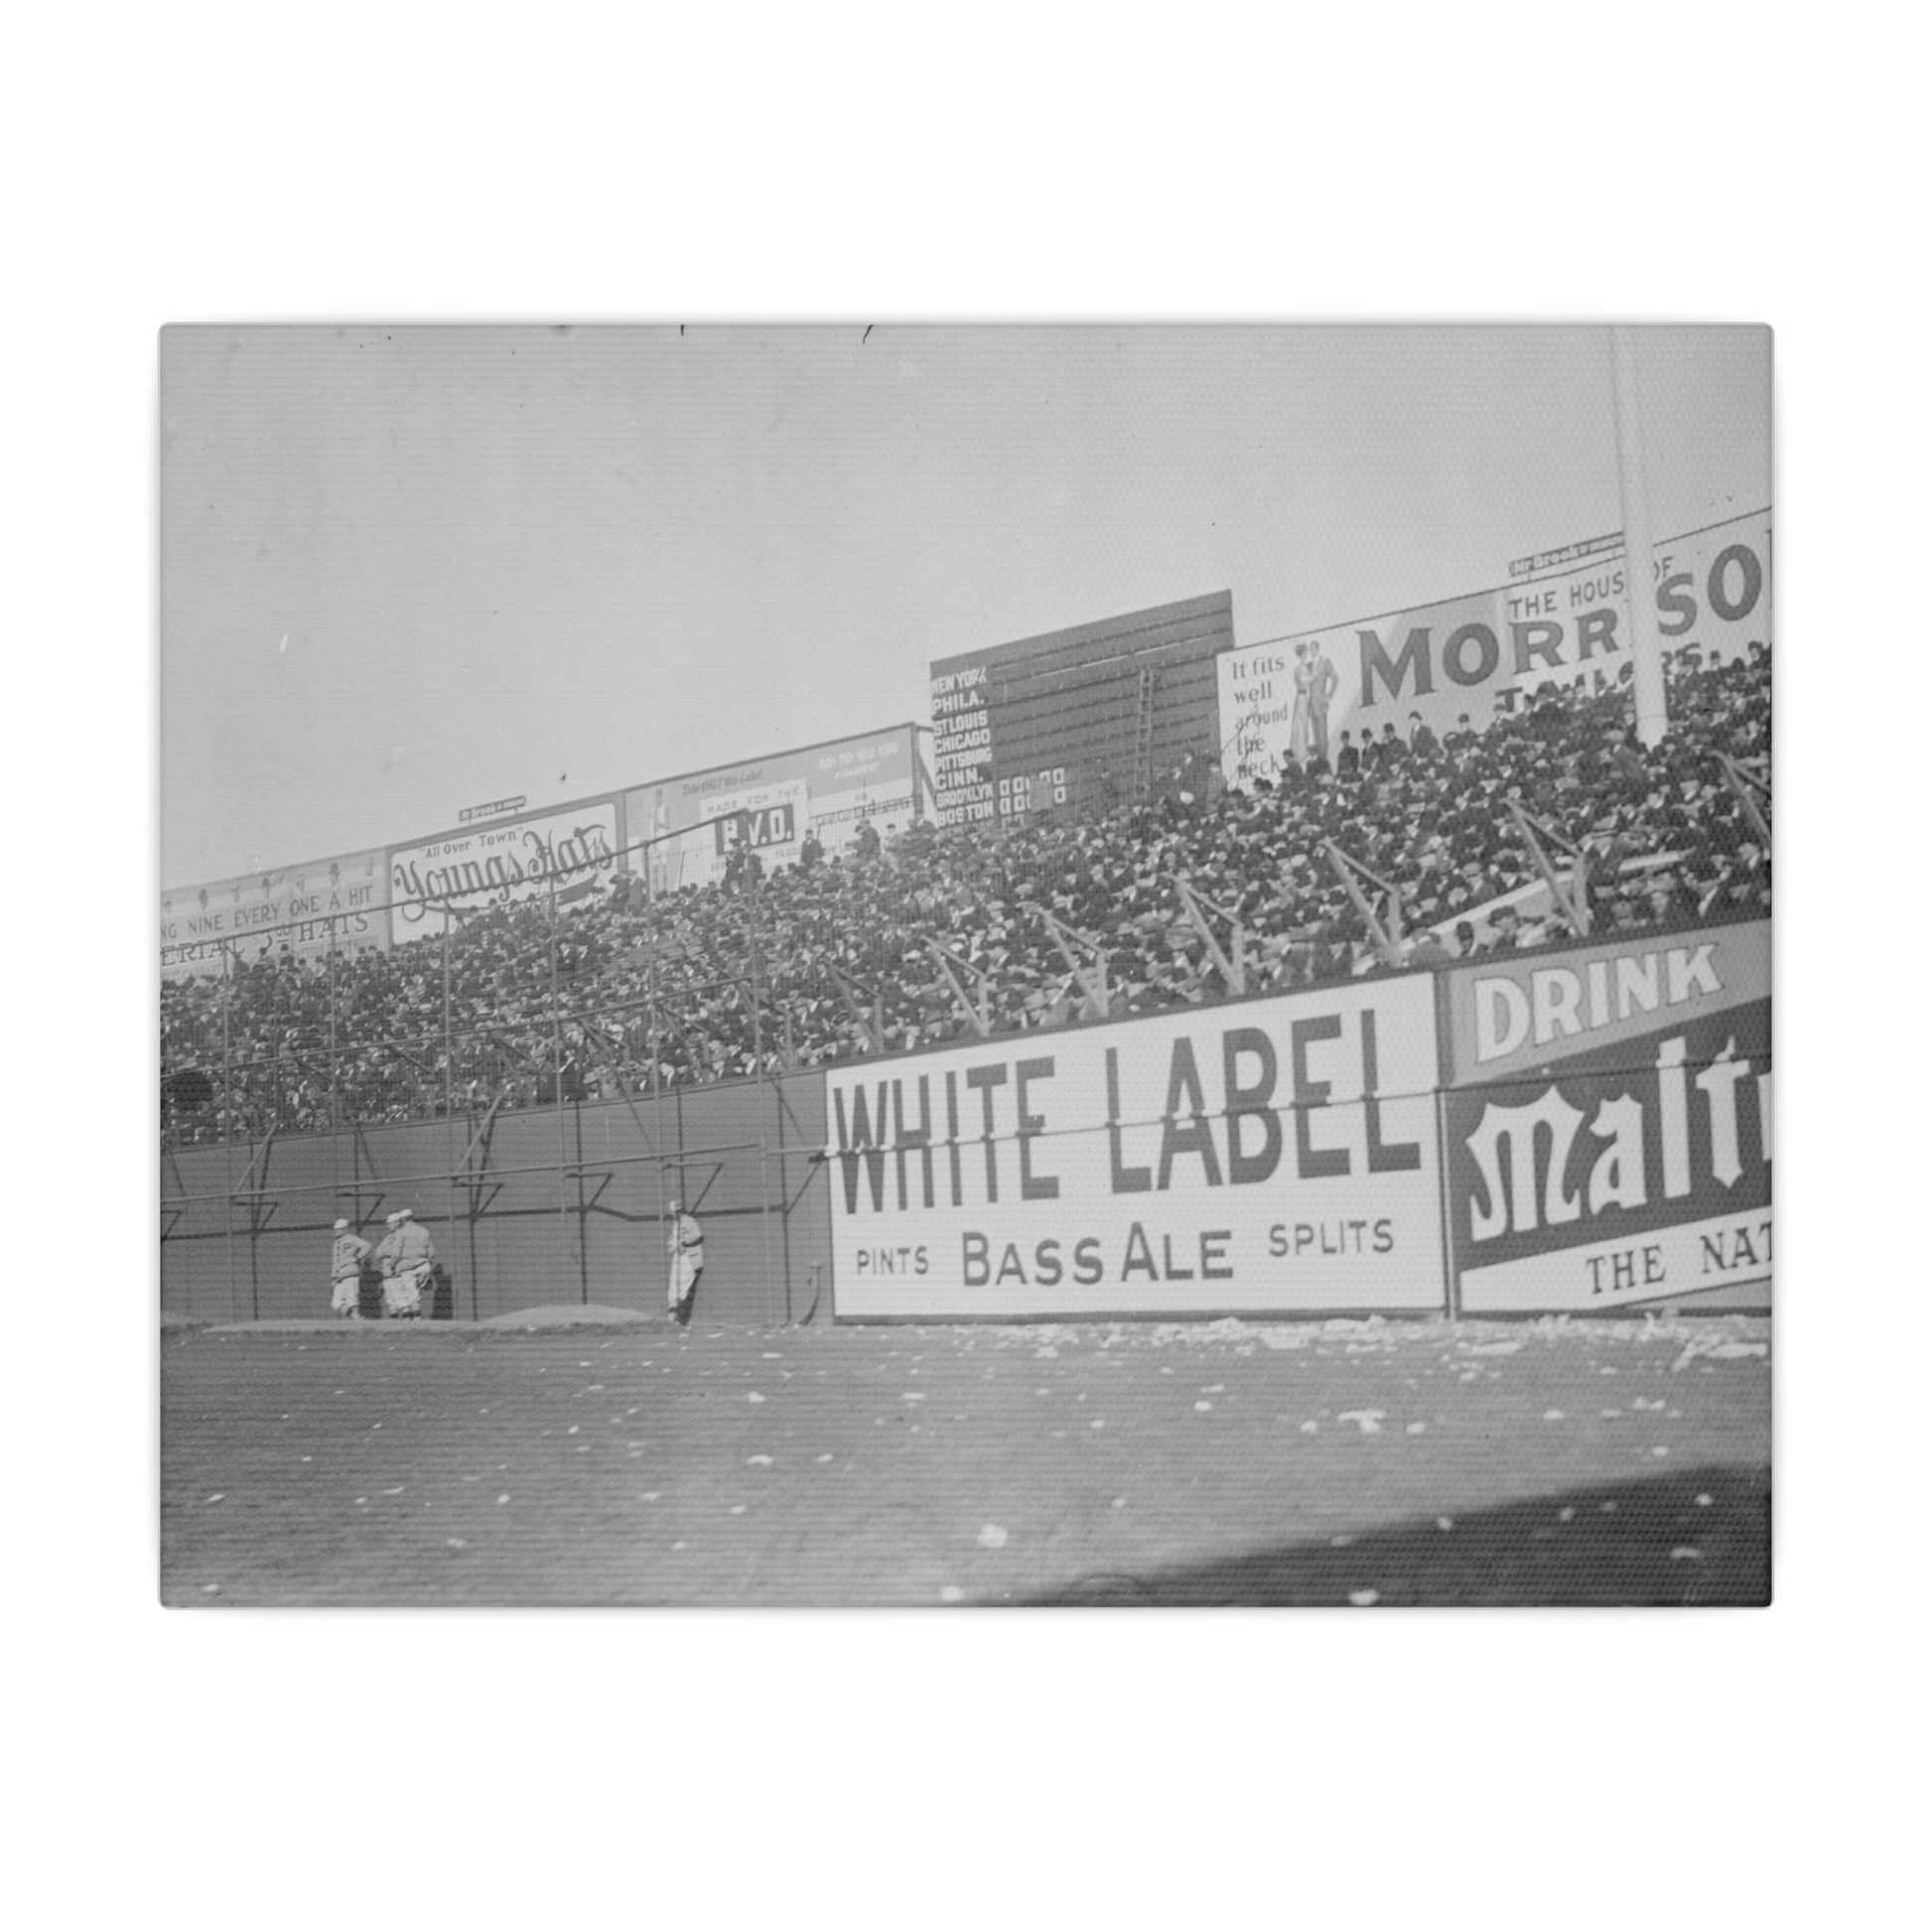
1577 1129
1581 1128
551 1206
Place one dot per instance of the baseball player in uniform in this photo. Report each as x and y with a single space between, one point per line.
405 1258
686 1245
346 1261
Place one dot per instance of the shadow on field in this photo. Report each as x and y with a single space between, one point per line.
1703 1537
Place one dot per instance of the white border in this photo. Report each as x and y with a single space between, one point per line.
1508 161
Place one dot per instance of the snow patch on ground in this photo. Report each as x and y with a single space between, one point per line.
570 1314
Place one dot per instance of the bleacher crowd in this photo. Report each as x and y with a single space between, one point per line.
830 959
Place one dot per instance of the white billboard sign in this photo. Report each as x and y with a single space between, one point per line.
769 820
572 851
1271 1157
305 912
1485 655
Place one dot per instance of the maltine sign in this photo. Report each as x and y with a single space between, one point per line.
1609 1122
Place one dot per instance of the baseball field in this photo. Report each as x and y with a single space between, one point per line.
582 1460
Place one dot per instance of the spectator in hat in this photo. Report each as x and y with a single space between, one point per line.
655 979
1326 958
1348 760
1429 952
1670 904
346 1258
1505 930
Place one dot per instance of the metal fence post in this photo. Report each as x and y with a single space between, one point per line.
557 1092
763 1096
449 1114
227 1159
335 1097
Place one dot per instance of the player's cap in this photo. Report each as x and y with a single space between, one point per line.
676 1208
405 1213
342 1227
392 1219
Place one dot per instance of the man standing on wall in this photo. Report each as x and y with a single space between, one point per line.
346 1261
685 1244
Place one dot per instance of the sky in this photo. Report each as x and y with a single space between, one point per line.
408 570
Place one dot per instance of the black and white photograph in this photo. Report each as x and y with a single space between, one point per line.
826 817
933 965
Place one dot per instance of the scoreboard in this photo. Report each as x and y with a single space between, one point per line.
1098 715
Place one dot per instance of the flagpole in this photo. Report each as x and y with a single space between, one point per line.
1641 603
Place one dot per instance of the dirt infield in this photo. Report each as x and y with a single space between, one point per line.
1373 1463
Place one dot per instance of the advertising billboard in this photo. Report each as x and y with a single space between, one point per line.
1608 1122
770 803
1272 1155
573 852
1485 654
295 911
770 820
